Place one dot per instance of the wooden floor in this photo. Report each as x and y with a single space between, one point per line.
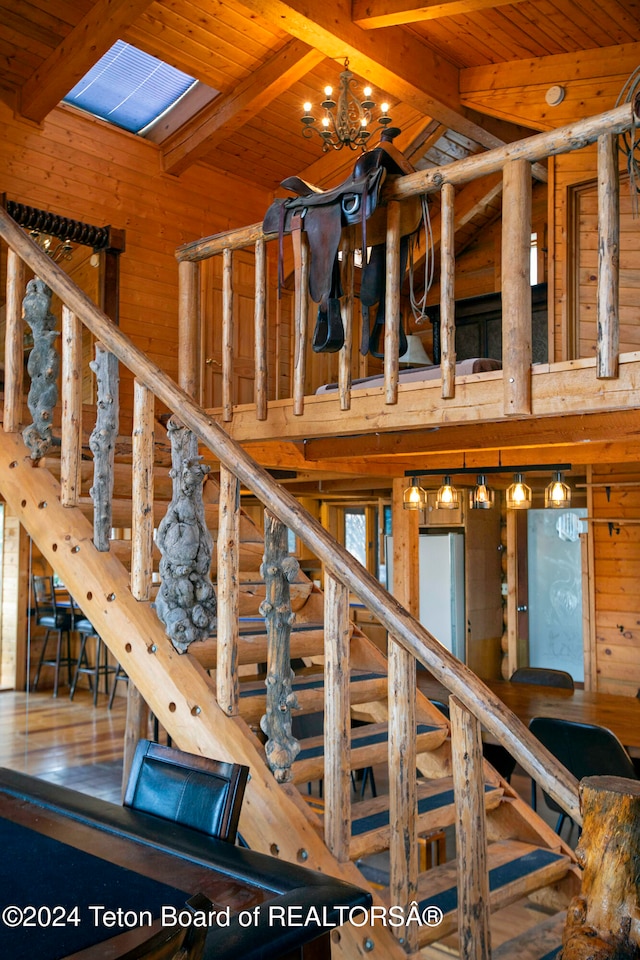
64 741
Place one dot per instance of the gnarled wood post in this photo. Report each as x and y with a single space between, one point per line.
603 923
43 366
278 570
186 601
102 442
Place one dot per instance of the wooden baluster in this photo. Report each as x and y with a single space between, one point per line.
337 720
471 834
14 344
142 492
348 283
71 426
102 442
301 312
516 288
403 852
260 329
392 304
189 328
279 570
227 334
608 325
228 584
602 920
447 291
43 367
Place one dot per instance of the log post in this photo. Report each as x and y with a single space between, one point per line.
189 328
337 720
447 292
608 258
278 570
71 426
43 366
14 343
516 287
227 335
136 728
142 492
348 282
228 584
392 303
471 834
102 442
260 329
603 923
301 312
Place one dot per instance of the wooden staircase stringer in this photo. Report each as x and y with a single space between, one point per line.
275 818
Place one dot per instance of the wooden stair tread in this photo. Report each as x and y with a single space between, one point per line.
369 745
370 829
307 640
309 689
515 870
122 511
542 942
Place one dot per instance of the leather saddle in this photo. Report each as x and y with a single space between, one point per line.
322 214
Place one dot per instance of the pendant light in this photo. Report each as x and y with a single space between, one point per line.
447 497
518 494
558 493
415 496
481 497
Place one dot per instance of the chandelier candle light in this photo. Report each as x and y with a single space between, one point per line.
346 121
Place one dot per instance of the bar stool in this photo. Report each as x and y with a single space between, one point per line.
53 619
100 666
121 674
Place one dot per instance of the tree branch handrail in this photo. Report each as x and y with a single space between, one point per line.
456 676
534 148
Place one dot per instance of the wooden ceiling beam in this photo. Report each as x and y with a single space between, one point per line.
223 116
393 59
372 14
583 429
89 40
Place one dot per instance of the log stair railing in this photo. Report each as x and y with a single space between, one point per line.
188 702
514 162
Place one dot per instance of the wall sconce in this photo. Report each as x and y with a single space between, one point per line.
518 494
481 497
447 496
558 493
415 496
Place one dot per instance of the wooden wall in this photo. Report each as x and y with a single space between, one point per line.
85 169
615 500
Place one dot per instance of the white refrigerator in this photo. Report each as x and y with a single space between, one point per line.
442 608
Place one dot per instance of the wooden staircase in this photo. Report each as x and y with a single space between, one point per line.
521 857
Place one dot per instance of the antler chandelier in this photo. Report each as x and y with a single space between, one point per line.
346 121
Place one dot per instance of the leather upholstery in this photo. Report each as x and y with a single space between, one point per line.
197 792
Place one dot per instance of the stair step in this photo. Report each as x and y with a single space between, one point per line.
307 640
309 689
542 942
515 870
370 831
369 745
122 511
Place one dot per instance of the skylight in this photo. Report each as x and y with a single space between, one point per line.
129 88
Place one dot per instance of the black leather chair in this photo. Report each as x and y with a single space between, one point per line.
55 620
543 676
197 792
584 749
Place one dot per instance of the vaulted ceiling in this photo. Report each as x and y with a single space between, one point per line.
461 75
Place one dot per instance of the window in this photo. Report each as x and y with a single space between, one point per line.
355 534
129 88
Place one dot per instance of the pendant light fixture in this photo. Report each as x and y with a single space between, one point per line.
558 493
415 496
518 494
481 497
447 497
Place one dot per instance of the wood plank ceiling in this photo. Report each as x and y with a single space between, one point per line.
461 75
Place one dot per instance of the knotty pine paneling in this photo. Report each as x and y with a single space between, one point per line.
83 168
617 577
